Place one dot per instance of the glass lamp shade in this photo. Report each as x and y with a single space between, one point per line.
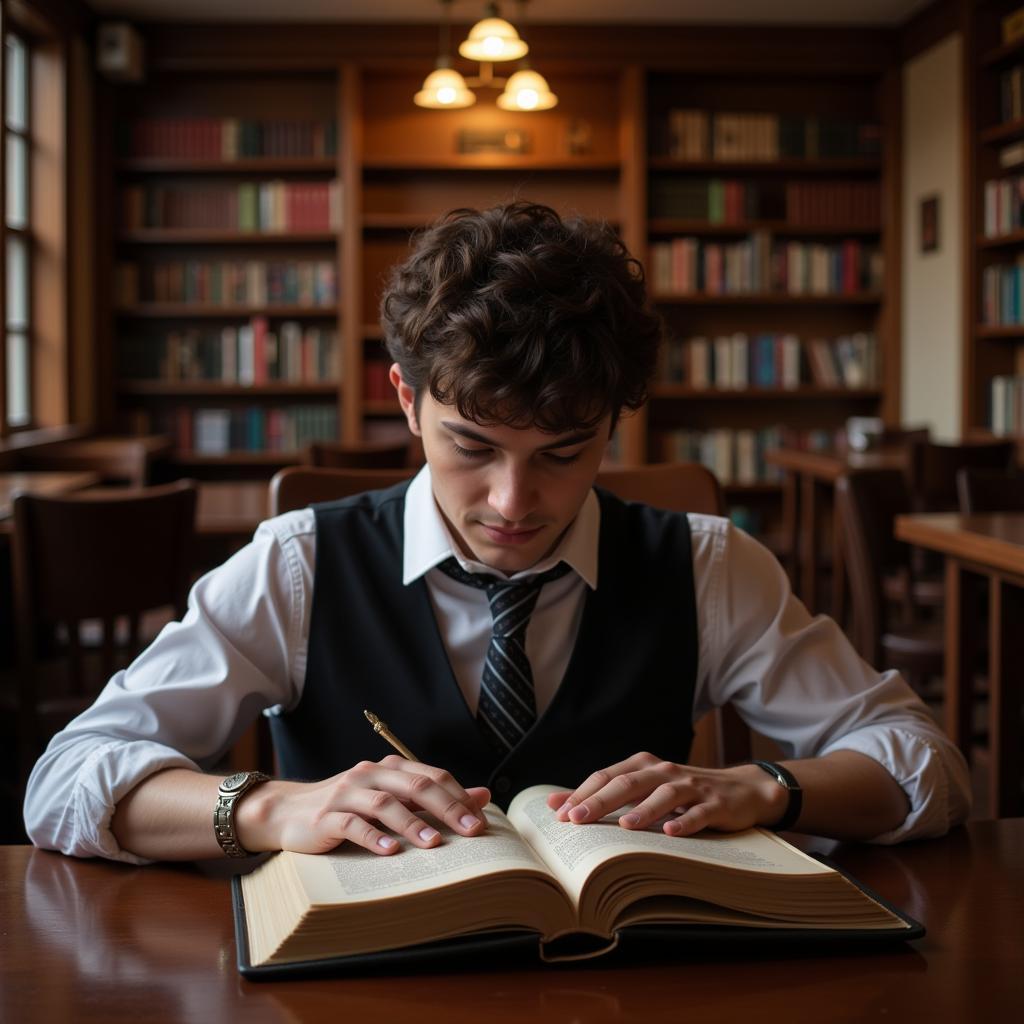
527 90
493 39
444 89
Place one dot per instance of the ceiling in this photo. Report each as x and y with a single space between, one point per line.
763 12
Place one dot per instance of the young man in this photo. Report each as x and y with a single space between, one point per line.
512 625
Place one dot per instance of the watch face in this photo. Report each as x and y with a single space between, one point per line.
235 781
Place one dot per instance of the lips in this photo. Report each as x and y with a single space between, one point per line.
500 536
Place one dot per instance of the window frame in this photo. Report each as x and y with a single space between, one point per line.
25 233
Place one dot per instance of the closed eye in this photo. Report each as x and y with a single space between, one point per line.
469 453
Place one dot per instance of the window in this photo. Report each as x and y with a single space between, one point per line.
17 290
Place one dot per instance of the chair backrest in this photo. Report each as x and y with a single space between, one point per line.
900 437
102 556
360 455
676 486
933 468
989 490
298 486
868 500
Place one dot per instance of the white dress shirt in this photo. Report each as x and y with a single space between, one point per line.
243 643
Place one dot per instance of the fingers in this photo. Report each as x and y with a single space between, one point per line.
611 788
425 788
436 790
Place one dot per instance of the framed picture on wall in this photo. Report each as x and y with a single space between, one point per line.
930 224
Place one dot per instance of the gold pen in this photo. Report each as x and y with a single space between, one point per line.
382 730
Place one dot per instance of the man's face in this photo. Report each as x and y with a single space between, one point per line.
507 493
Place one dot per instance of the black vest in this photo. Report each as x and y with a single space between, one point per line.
374 643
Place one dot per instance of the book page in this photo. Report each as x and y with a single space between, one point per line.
351 874
572 852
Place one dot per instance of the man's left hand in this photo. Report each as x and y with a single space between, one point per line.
725 799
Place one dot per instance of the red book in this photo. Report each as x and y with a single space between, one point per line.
259 348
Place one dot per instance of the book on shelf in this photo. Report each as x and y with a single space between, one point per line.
227 283
227 138
1006 405
1010 156
564 891
727 135
1012 26
254 428
737 361
377 384
849 361
248 354
737 456
1011 93
267 206
1004 205
761 265
1001 286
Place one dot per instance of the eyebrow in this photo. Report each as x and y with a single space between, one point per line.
578 438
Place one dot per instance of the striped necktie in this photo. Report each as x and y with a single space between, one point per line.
507 709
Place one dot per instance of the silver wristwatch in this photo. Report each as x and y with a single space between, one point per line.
232 789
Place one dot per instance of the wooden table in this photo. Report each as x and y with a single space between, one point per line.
13 484
92 941
808 476
990 546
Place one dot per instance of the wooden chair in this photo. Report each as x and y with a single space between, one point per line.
361 455
298 486
932 470
869 500
88 559
987 490
722 738
677 486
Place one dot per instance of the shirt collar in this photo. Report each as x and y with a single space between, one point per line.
428 542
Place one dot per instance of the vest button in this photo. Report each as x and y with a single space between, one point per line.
502 784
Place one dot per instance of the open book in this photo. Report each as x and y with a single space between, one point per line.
575 887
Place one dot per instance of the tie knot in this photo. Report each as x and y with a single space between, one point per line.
483 581
512 601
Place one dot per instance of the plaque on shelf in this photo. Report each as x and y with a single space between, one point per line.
486 140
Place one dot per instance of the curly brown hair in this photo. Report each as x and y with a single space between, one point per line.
513 315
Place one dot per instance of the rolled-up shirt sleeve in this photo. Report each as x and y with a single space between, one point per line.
240 648
797 680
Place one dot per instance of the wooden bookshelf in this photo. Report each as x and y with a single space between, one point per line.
993 339
401 166
696 189
186 147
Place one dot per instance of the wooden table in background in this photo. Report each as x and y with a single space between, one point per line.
991 546
13 484
103 942
807 476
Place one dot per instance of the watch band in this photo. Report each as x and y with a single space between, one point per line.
231 790
785 778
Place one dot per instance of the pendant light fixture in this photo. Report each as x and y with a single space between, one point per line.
444 88
491 40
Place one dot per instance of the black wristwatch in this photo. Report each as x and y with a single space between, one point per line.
232 789
785 778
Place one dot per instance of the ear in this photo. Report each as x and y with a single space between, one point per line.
406 398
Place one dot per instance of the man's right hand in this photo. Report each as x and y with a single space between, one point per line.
368 805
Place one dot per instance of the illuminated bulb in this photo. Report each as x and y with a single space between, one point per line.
444 89
527 90
493 39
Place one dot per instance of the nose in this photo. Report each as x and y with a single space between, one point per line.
512 493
